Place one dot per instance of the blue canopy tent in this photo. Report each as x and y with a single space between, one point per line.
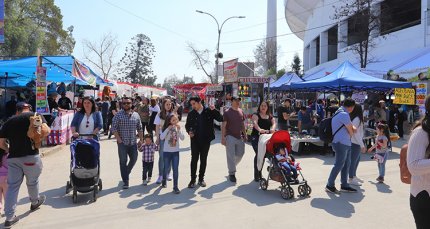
347 78
284 83
415 65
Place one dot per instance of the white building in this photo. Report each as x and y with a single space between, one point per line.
403 34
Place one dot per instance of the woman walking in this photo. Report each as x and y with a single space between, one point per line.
87 120
264 123
357 145
419 167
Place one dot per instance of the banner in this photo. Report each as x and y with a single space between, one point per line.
253 79
230 71
41 102
214 88
421 93
83 73
404 96
1 21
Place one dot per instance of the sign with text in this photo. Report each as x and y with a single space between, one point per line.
230 71
41 102
253 80
214 88
404 96
359 97
421 93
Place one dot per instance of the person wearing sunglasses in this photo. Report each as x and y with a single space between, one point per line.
87 120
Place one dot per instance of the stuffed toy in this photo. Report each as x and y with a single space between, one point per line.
106 91
37 131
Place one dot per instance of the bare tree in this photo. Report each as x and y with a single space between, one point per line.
266 57
102 53
201 61
364 20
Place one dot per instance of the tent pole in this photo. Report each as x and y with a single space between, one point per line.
5 91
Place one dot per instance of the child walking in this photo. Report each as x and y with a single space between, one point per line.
3 177
148 150
171 134
381 146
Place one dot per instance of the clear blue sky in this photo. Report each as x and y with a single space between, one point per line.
171 24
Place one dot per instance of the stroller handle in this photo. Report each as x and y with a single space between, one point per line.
87 135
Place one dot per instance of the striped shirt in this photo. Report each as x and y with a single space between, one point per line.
126 125
148 152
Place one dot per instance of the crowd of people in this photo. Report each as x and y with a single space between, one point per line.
150 125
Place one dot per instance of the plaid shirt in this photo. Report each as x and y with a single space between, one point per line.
148 152
126 125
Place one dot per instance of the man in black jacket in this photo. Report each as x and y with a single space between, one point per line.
200 127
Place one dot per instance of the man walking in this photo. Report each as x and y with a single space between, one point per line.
23 160
233 136
124 126
342 130
200 127
284 113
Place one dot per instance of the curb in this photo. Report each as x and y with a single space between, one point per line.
51 150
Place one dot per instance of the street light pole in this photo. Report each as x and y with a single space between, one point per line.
218 54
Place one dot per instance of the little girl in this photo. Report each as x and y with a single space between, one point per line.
381 146
171 134
3 176
287 163
148 150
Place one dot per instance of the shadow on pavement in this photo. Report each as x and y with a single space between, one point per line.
339 205
218 188
382 187
253 194
156 201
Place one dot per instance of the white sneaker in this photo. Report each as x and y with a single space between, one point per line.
169 178
149 179
358 179
354 182
160 178
145 182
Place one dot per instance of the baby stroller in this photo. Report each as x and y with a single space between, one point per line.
84 168
267 145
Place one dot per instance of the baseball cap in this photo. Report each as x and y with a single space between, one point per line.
235 98
22 105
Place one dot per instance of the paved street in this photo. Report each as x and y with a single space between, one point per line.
221 204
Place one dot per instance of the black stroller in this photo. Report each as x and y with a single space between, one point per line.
278 174
84 168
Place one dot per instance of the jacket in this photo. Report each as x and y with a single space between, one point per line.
208 116
77 119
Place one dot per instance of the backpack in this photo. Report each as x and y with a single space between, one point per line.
405 175
325 131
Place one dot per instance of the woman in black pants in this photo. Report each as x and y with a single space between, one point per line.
419 167
264 123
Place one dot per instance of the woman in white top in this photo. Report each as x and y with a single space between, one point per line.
166 111
357 145
154 109
419 167
87 120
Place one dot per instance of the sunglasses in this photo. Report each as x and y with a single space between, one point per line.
88 124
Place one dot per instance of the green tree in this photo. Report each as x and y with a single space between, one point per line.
280 73
136 65
30 25
296 65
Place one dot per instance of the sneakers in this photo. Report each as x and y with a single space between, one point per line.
331 190
159 180
10 223
40 201
149 179
359 180
192 184
176 190
380 179
169 178
125 185
348 189
202 183
354 181
145 182
232 178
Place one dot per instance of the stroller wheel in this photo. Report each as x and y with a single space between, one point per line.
75 196
264 184
285 193
309 190
100 185
291 190
302 190
95 194
68 187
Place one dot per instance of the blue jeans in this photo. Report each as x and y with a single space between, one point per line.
381 166
355 160
161 160
171 159
125 151
341 164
